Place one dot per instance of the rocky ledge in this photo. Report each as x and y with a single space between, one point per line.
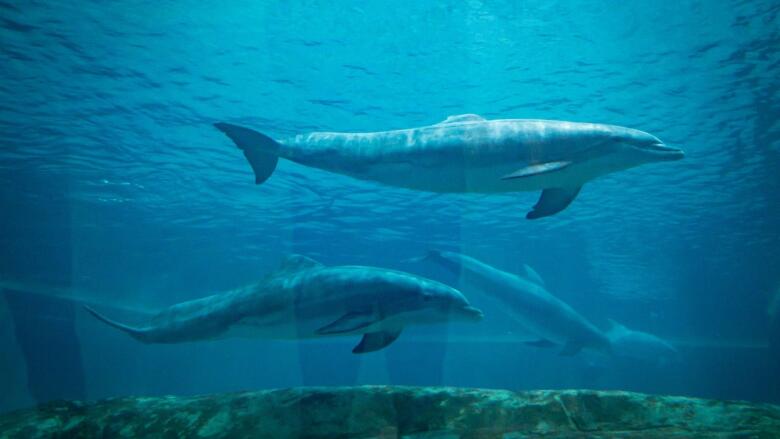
379 411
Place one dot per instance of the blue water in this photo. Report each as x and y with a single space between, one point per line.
116 190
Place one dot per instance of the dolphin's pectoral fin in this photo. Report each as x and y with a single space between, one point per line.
552 201
541 343
537 169
349 322
572 348
374 341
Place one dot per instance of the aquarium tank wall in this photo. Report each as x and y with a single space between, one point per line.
201 198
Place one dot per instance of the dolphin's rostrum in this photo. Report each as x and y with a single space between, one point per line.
306 299
467 153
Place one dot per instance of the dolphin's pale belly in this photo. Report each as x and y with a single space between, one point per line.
278 330
540 315
479 180
294 329
446 179
546 320
536 327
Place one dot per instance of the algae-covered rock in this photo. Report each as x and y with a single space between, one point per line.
378 411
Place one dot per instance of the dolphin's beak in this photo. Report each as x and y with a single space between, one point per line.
473 313
664 151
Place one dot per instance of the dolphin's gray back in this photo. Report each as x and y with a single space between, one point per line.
334 290
471 144
325 291
211 317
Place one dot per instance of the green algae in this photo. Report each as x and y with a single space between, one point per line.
383 411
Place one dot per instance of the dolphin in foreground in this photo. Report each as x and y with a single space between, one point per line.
528 302
306 299
467 153
638 345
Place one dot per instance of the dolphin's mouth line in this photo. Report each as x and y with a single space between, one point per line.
476 313
661 147
663 151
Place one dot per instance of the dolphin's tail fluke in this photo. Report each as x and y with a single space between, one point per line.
259 149
136 333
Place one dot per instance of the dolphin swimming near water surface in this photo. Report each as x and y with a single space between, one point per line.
306 299
467 153
526 300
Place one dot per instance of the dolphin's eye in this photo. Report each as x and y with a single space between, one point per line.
427 297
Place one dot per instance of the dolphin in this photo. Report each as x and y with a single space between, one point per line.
638 345
306 299
467 153
526 299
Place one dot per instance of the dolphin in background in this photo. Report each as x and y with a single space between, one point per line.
467 153
525 298
306 299
638 345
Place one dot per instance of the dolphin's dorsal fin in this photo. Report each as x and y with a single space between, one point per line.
616 329
531 275
615 326
298 262
460 118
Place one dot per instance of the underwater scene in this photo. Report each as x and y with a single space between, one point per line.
390 219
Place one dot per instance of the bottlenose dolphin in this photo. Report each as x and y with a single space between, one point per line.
528 302
639 345
467 153
306 299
